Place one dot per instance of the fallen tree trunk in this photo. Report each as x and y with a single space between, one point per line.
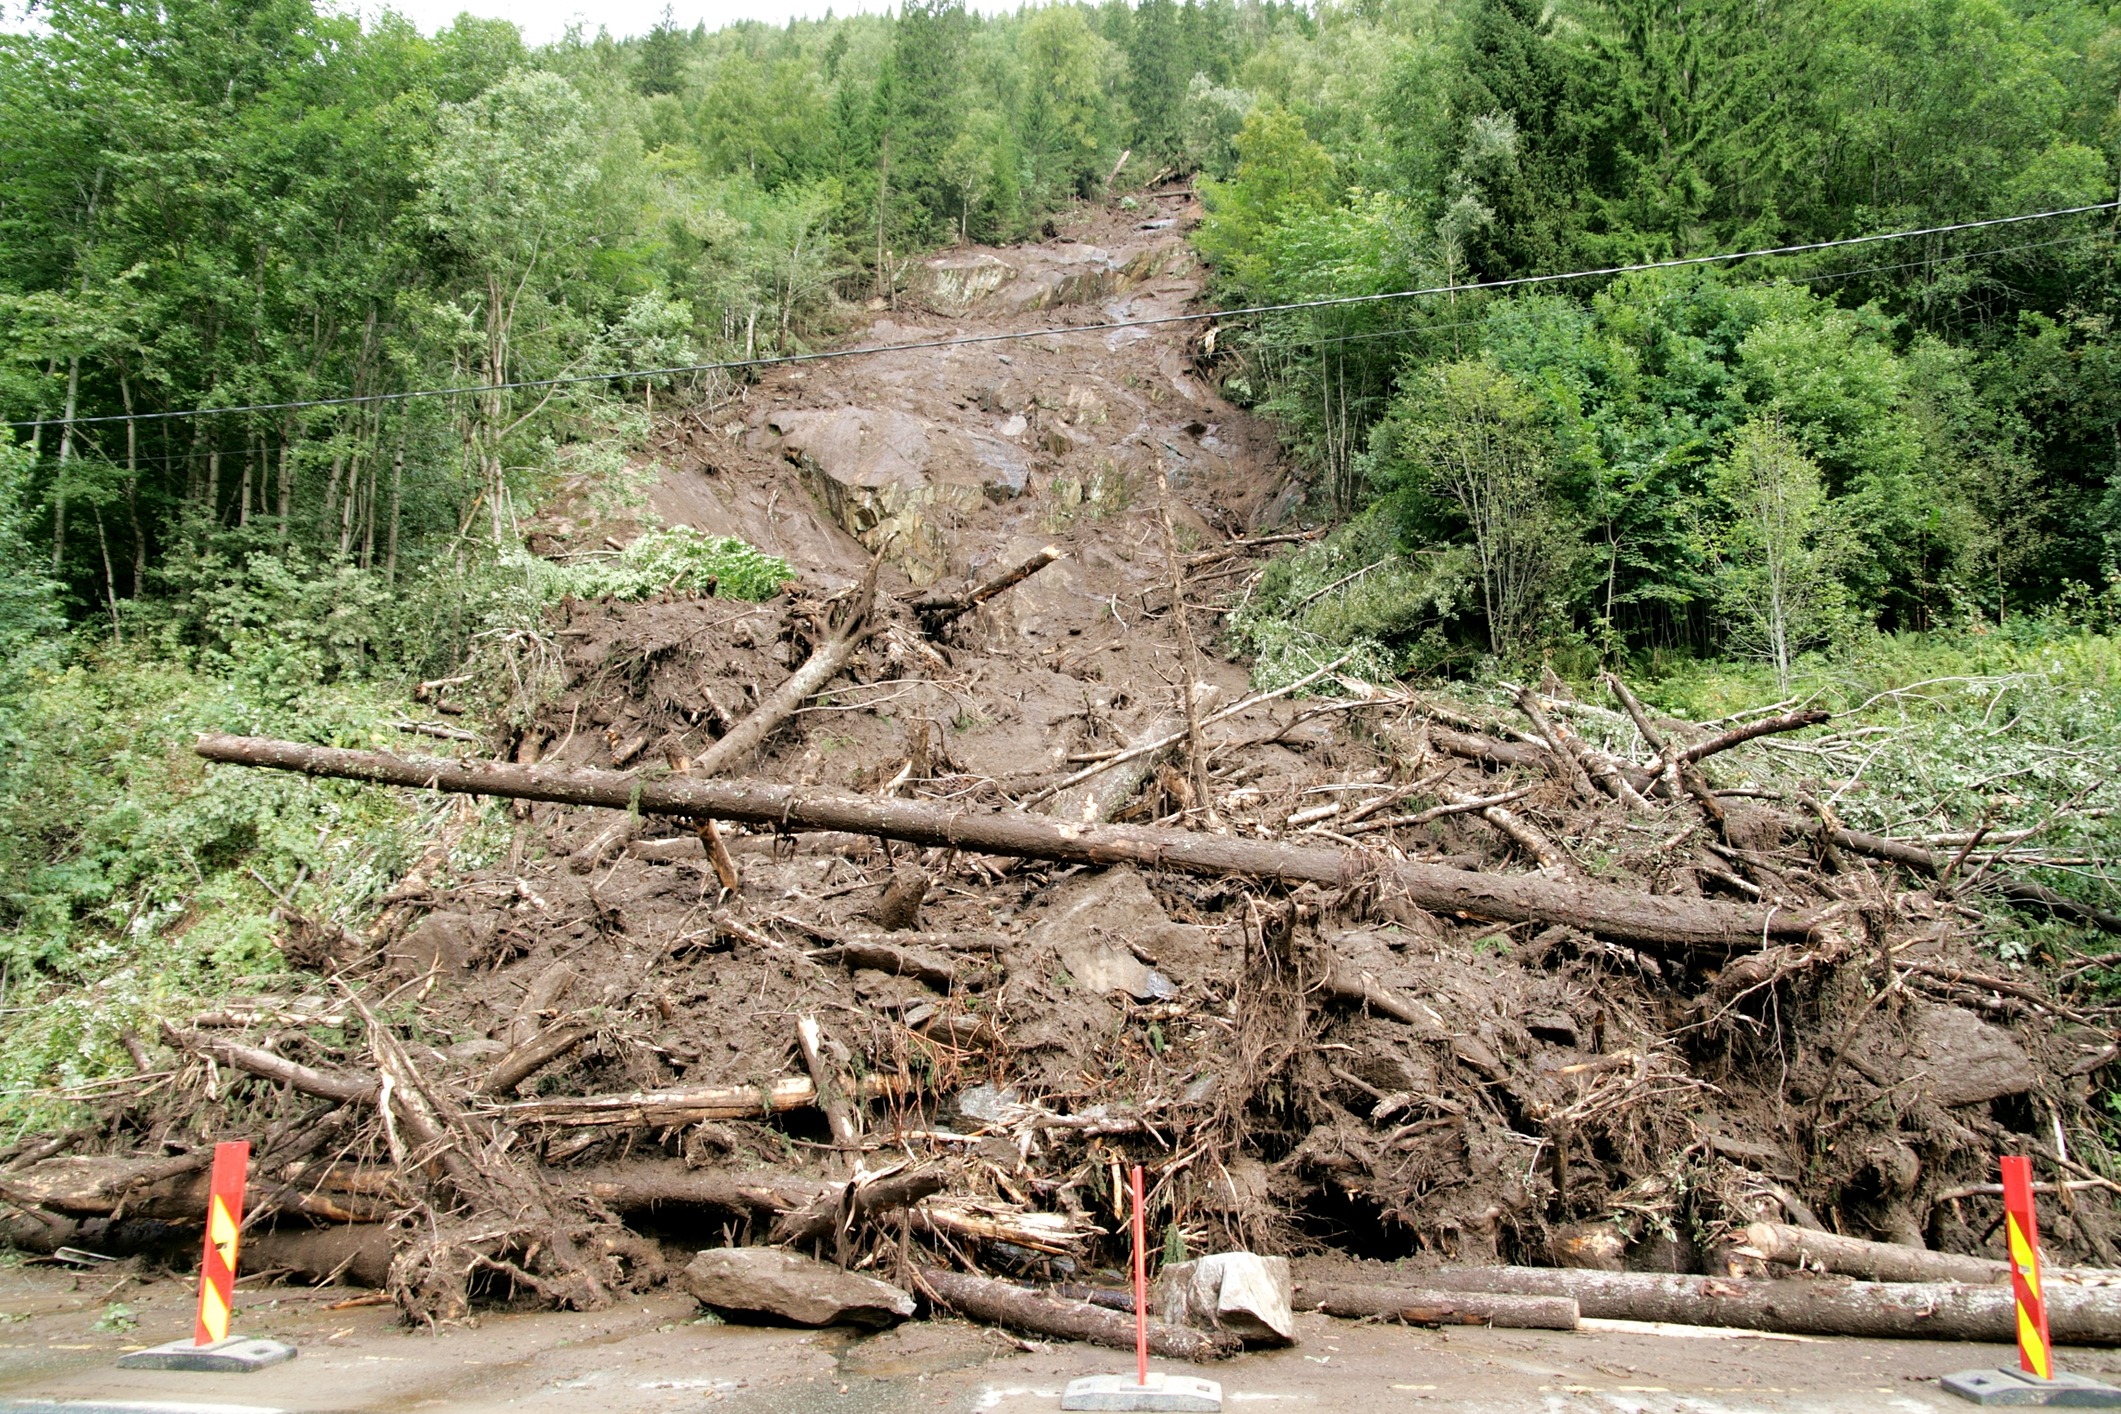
110 1185
938 611
1920 860
985 1299
1888 1261
1423 1307
1622 914
858 1202
2077 1315
824 664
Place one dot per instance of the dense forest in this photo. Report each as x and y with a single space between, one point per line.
237 204
261 206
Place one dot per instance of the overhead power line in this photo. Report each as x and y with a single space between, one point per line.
1018 335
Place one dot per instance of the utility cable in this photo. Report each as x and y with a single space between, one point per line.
1016 336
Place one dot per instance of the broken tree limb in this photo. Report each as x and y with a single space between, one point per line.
938 972
985 1299
659 1107
645 1187
1489 752
832 1098
1915 857
533 1055
1562 748
857 1202
852 628
2077 1315
1096 801
1523 834
252 1060
938 611
1423 1307
1766 726
1622 914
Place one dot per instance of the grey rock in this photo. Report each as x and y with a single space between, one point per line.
754 1281
1965 1061
1240 1292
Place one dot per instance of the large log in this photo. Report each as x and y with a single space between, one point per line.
2077 1315
1623 914
985 1299
1424 1307
1889 1261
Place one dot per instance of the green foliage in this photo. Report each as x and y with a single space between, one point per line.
1777 548
2016 727
678 559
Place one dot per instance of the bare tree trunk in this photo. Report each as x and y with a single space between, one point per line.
1614 912
66 453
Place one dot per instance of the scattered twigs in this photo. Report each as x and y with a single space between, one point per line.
2017 890
1155 744
688 1106
939 611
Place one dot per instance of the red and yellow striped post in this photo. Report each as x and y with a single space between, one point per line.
2035 1353
224 1235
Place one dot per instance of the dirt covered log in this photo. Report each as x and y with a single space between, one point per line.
985 1299
1423 1307
2077 1315
1612 911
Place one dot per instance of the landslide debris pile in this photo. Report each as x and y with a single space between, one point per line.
631 1037
1015 884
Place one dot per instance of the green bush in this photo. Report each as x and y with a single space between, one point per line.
678 558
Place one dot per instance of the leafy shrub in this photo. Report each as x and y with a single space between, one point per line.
678 558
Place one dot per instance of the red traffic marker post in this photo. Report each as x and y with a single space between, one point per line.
2036 1381
211 1349
1170 1394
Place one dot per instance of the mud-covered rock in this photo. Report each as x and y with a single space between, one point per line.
765 1281
1965 1061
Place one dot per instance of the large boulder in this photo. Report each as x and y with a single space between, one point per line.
765 1281
1959 1059
1241 1293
